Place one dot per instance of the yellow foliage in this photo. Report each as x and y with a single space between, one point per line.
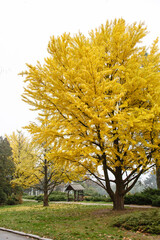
100 97
25 160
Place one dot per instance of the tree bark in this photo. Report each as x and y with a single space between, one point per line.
45 198
118 201
158 177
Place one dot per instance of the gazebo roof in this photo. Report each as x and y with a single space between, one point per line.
75 187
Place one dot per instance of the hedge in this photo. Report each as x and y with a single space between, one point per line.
148 196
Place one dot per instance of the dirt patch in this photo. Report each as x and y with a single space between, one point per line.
101 212
110 212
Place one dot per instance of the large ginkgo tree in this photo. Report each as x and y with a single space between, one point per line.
100 95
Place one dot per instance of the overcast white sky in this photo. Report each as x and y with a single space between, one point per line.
25 30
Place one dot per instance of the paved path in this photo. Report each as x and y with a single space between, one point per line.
8 234
12 236
100 204
104 204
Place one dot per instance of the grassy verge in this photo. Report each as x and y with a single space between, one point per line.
66 221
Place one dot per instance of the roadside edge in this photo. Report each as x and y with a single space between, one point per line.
24 234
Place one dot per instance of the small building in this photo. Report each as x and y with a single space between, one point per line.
78 191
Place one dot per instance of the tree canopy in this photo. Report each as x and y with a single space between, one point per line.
100 96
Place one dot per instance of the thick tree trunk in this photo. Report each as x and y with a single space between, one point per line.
158 177
118 196
118 202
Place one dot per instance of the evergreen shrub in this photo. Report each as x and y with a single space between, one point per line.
12 200
99 198
147 222
58 196
3 196
39 198
156 202
148 196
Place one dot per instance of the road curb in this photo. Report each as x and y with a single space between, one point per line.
24 234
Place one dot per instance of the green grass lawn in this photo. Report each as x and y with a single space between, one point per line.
68 221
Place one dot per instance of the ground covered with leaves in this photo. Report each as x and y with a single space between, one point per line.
72 221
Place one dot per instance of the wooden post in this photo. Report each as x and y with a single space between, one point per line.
82 196
68 195
74 195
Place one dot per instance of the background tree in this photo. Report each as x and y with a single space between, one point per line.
52 169
48 173
101 97
24 158
6 169
34 166
150 181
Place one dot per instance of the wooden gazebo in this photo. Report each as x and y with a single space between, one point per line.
78 191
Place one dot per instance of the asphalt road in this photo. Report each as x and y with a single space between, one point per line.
12 236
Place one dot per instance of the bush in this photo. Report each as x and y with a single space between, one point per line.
156 202
138 198
146 197
29 197
108 199
58 196
99 198
87 198
151 191
12 200
39 198
3 196
148 222
55 196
